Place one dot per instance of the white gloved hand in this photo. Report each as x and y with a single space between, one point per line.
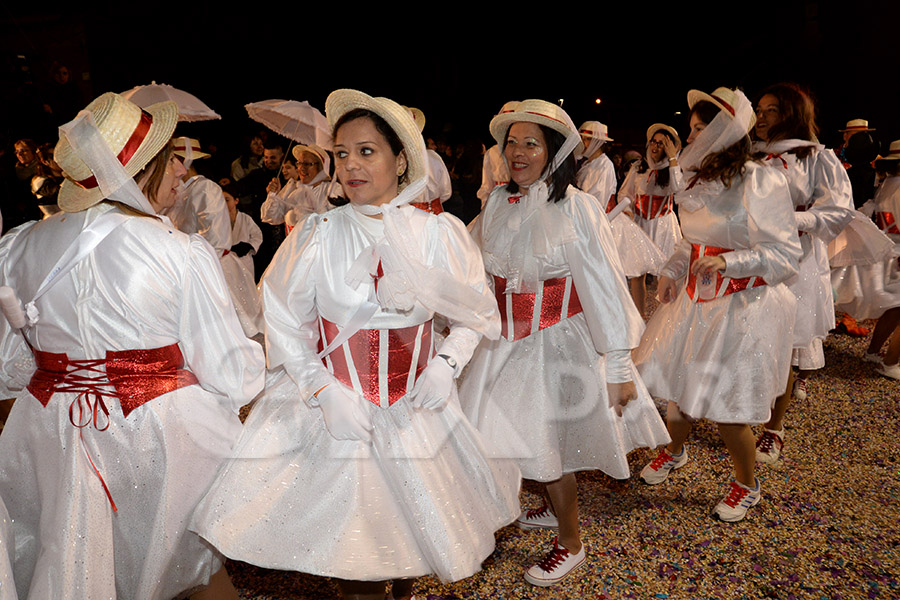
346 417
433 387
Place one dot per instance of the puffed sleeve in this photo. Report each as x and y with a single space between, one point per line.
456 253
612 318
629 186
213 222
253 231
272 210
16 361
677 265
289 309
676 180
487 179
215 348
831 201
598 181
775 251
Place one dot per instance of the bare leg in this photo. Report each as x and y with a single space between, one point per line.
361 590
679 427
885 326
892 356
742 447
402 588
564 498
220 588
776 422
5 407
638 286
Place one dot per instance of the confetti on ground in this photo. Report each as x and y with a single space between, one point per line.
827 526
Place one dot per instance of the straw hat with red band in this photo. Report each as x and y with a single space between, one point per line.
181 149
856 125
418 116
596 130
893 152
540 112
316 151
340 102
133 134
651 131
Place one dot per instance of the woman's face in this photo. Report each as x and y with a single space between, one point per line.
656 146
308 167
697 125
231 202
289 170
768 114
171 183
365 164
526 152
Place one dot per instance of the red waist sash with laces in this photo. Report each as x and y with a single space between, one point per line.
133 377
434 207
722 286
651 207
524 314
380 364
885 222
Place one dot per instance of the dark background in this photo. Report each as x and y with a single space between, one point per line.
459 63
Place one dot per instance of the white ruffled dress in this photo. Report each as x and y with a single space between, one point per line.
543 399
423 497
664 230
146 285
727 359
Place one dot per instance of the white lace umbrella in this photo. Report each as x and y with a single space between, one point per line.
190 108
298 121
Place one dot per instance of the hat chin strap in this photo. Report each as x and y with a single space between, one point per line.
115 184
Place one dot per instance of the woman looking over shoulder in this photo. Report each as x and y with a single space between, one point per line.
720 348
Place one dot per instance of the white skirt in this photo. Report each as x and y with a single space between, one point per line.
421 499
867 291
238 273
815 302
725 360
157 463
665 231
543 401
638 253
7 555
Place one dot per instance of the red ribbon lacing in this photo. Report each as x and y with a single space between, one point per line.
514 199
779 157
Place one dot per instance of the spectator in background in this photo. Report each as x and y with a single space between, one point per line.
249 161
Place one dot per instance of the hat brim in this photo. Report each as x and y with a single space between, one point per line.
340 102
299 149
856 129
74 198
501 123
696 96
651 131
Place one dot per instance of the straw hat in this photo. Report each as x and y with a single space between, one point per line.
725 98
651 131
318 151
134 135
856 125
893 152
340 102
418 116
534 111
180 148
596 130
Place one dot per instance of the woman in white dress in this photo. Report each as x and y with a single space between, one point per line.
310 193
237 264
551 391
133 367
823 204
358 463
720 348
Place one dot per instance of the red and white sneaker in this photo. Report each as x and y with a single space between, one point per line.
737 502
659 468
800 389
537 518
769 445
554 567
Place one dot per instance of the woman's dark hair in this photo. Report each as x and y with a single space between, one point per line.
155 170
798 115
564 176
728 163
662 176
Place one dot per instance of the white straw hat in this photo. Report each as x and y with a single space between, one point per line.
856 125
418 116
317 151
596 130
651 131
181 149
540 112
340 102
893 152
725 98
133 134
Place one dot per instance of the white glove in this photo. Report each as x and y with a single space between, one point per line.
346 417
432 389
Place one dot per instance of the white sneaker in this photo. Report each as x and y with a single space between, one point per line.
554 567
872 358
769 445
892 371
735 504
659 468
799 390
537 518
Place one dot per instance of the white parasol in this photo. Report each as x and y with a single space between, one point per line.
298 121
190 108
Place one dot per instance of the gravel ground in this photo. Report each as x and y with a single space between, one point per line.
827 525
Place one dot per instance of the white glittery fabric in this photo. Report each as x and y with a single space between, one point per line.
543 399
866 291
200 208
727 359
240 276
422 497
7 555
145 286
664 230
637 252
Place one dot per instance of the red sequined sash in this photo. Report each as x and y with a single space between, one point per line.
380 364
651 207
723 285
885 222
611 204
433 207
524 314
